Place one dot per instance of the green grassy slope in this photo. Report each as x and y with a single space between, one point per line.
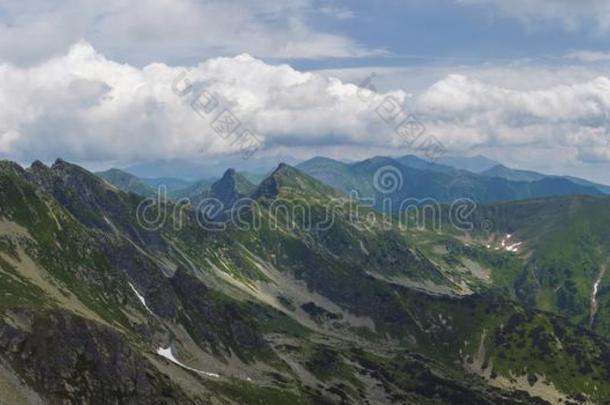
286 309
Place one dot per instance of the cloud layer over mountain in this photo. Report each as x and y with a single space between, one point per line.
86 107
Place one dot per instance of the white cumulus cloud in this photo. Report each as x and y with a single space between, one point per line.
86 107
468 112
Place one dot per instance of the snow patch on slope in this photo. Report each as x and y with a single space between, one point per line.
141 298
169 355
507 245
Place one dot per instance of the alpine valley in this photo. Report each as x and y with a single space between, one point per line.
111 295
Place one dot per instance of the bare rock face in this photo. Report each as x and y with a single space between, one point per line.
224 196
68 359
221 325
270 187
225 189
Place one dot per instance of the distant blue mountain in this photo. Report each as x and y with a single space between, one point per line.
507 173
422 164
475 164
414 179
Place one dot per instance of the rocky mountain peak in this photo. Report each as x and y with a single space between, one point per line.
38 165
8 166
226 184
225 190
288 177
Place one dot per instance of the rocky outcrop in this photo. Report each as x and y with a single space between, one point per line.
68 359
92 201
216 321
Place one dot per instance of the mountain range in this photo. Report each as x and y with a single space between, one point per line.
413 178
443 181
110 296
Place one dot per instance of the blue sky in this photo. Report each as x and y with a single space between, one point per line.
521 81
446 29
409 31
